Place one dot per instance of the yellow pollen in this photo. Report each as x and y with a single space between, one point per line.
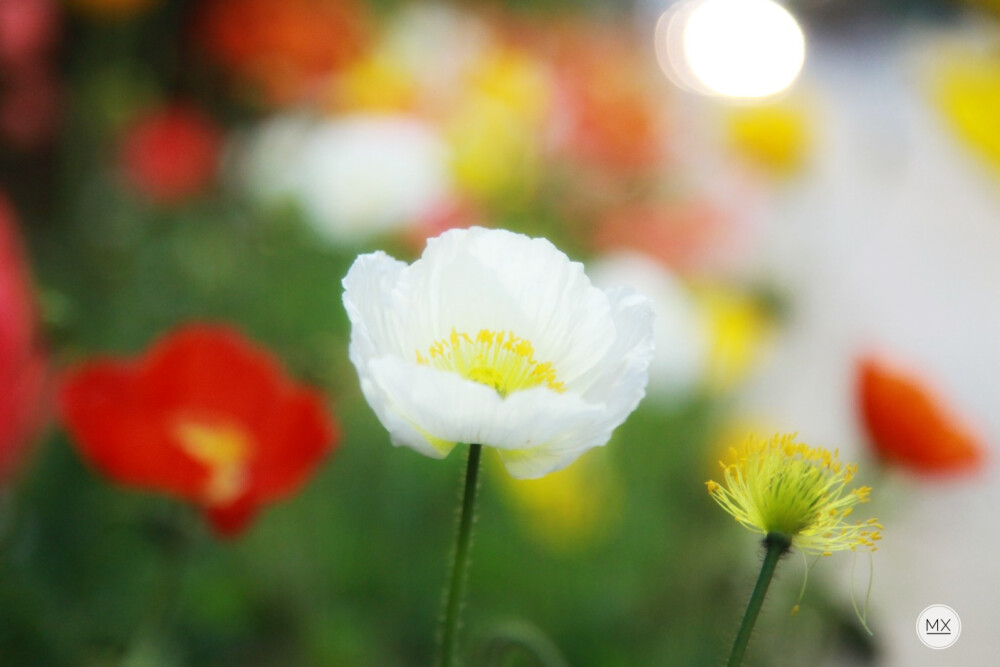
224 449
499 360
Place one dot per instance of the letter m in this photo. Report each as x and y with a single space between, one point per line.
937 626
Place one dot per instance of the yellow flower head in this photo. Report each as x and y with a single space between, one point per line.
773 137
740 330
783 486
967 90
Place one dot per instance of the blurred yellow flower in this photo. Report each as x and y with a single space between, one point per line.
515 81
494 154
374 83
786 487
494 128
775 137
992 6
967 89
740 327
570 509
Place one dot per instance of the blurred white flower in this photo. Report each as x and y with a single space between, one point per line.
497 339
437 44
262 160
353 177
681 332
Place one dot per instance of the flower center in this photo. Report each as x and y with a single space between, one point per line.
224 449
496 359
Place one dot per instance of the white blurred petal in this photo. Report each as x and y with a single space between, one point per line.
681 358
353 177
368 174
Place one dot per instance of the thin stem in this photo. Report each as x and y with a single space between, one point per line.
456 585
172 534
776 544
515 637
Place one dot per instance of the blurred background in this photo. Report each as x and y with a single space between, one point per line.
808 191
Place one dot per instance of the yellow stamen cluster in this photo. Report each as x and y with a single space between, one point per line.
783 486
497 359
224 450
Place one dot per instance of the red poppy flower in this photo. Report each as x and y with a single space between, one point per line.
171 154
22 361
204 415
909 425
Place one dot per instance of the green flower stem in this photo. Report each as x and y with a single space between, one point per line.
776 545
518 637
460 566
172 533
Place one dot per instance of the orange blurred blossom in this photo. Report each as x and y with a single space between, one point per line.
909 424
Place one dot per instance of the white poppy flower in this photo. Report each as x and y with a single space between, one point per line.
497 339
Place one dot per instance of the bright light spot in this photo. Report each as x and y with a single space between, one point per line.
734 48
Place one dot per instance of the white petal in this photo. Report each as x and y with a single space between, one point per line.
402 431
620 379
373 309
443 407
540 461
680 332
470 279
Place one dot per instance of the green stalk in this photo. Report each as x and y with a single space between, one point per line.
172 533
775 545
518 637
460 566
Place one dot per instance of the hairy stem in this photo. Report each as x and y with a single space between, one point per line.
775 545
460 565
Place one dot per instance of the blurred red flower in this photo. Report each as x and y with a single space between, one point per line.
687 235
29 91
283 48
28 29
204 415
22 360
909 425
171 154
29 108
605 112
